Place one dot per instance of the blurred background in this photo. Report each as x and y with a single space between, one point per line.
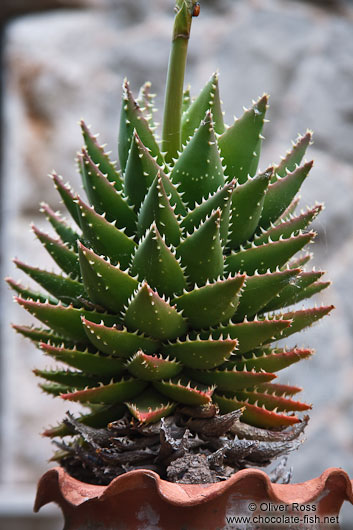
65 60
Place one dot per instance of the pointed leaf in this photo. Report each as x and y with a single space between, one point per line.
183 391
90 363
67 378
198 170
297 291
280 194
201 354
152 367
104 237
303 318
42 335
268 256
112 393
294 157
230 380
201 252
272 401
278 390
150 407
149 313
246 208
209 305
131 119
272 360
187 100
208 99
156 263
241 143
105 284
67 195
145 101
64 231
118 342
29 294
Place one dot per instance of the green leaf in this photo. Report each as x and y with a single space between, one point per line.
246 208
29 294
230 380
266 257
240 144
253 415
209 305
131 118
100 157
90 363
294 157
260 289
112 393
201 252
199 353
271 402
280 194
42 335
252 334
66 259
104 237
67 195
272 360
157 208
286 229
149 313
54 389
184 391
150 407
64 289
67 378
65 321
198 170
145 101
187 100
64 231
208 100
105 198
152 367
303 318
156 263
278 390
118 342
105 284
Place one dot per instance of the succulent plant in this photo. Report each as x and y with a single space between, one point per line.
179 277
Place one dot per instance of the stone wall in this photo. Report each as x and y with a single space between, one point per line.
64 66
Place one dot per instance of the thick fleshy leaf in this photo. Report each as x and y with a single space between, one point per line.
106 284
303 318
54 389
252 334
294 157
261 288
240 145
68 378
145 101
211 304
150 406
100 157
230 380
272 360
185 392
65 321
208 100
246 208
149 313
131 118
199 353
91 363
118 342
99 418
152 367
157 208
198 170
265 257
290 227
104 237
280 194
112 393
300 261
158 265
297 291
105 198
271 401
64 289
186 99
278 390
30 294
66 259
64 231
201 253
288 212
219 200
42 335
253 415
67 195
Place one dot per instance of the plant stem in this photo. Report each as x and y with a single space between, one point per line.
171 138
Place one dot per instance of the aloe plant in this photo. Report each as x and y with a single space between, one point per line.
178 279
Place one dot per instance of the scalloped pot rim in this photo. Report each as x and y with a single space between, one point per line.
172 506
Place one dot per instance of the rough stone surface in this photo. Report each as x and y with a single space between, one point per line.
68 65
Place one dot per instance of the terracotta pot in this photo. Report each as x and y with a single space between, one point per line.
140 500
